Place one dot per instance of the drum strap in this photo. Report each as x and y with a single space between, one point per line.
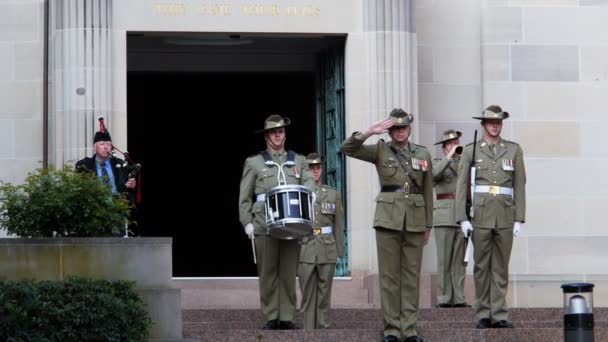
291 155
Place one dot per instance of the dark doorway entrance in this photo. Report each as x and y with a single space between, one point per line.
177 120
189 96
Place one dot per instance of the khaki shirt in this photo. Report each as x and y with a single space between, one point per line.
259 178
325 248
396 210
445 175
505 168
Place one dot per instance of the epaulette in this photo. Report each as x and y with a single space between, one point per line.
471 143
437 159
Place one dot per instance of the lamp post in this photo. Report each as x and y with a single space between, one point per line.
578 312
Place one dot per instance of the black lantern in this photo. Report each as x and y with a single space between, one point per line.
578 312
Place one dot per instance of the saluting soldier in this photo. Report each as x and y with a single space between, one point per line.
448 236
499 208
403 218
321 250
277 260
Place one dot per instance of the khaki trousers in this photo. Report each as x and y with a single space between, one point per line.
450 265
315 283
277 264
399 261
492 253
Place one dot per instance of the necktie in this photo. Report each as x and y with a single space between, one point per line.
493 149
105 178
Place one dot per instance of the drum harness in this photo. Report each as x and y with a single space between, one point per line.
281 179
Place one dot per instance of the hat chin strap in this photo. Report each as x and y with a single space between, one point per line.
273 146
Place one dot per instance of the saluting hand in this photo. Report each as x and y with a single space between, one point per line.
380 127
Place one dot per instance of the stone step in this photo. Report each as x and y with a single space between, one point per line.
376 324
367 335
225 316
434 325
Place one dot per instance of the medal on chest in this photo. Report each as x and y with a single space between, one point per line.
507 165
419 164
328 208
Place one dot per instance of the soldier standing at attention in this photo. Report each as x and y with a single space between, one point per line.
277 260
321 251
403 218
499 208
449 238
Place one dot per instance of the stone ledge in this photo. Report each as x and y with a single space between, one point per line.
87 241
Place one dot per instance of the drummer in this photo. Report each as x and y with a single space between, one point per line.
277 260
321 251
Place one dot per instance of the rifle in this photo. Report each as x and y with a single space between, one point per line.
469 205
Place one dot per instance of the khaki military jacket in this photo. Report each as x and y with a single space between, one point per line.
445 174
393 209
258 178
504 169
325 248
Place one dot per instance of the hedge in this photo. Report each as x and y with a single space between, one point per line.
76 309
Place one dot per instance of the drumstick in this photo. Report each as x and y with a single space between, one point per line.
467 252
255 261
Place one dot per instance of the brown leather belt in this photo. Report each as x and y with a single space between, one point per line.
446 196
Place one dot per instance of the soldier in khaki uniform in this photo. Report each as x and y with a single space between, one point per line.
277 260
449 238
321 250
403 218
499 207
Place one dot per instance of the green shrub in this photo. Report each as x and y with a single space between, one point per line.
76 309
61 202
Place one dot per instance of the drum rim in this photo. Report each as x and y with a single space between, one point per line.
287 188
281 223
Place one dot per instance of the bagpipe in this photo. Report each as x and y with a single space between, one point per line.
127 168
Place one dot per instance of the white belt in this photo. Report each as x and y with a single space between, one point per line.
260 197
495 190
322 230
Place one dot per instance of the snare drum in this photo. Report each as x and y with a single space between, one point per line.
289 211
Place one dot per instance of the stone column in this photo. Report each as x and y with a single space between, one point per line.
390 56
80 76
381 74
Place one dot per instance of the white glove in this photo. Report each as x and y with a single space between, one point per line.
249 230
466 228
517 228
